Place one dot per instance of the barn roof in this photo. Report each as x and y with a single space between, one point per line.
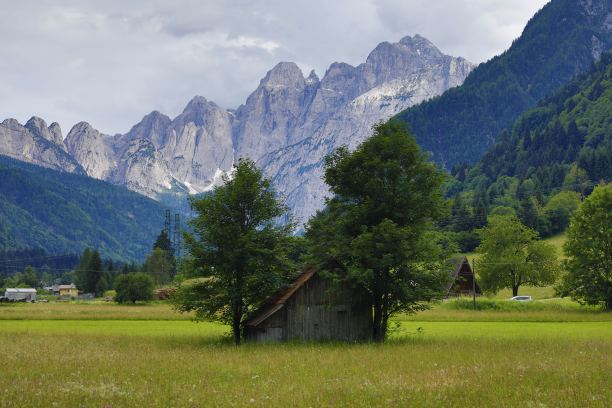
276 302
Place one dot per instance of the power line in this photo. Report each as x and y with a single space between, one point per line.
50 257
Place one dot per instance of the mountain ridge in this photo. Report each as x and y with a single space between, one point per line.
162 156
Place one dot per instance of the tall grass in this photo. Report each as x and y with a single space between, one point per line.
182 364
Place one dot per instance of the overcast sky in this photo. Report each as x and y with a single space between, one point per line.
111 62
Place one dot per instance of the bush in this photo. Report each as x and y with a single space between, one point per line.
133 287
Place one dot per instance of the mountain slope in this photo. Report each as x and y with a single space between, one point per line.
553 155
64 213
560 41
570 129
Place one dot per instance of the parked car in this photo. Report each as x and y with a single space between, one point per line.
522 298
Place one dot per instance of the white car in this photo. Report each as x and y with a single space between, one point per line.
521 298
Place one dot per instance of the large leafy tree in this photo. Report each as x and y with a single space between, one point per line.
589 248
133 287
376 230
513 256
238 249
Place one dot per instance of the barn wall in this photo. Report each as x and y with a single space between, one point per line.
317 312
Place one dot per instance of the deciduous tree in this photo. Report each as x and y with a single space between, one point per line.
239 251
376 230
513 256
133 287
589 250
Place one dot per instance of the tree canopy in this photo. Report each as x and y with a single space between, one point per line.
133 287
375 231
239 251
513 256
589 250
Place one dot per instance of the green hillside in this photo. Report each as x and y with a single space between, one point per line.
64 213
565 141
552 156
556 44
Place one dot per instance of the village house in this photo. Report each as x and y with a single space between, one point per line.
65 290
312 309
68 290
461 279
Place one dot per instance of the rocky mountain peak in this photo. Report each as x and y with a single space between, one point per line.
56 130
152 127
196 104
80 128
36 123
10 123
391 61
313 78
39 128
284 74
417 42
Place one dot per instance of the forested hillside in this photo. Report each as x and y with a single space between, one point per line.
559 42
562 146
64 213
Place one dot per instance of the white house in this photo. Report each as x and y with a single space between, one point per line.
14 294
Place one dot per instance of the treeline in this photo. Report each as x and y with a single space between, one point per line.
90 272
96 277
542 167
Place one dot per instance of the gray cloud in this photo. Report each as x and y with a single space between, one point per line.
111 62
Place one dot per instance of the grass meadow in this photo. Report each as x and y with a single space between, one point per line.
101 355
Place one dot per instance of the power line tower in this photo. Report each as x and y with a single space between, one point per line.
176 238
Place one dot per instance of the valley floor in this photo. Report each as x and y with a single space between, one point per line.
96 355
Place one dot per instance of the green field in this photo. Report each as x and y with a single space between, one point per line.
98 355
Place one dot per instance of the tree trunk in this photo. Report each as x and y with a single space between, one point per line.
385 320
515 289
377 330
236 326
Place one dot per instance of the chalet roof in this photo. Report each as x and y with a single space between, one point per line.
454 273
277 301
71 286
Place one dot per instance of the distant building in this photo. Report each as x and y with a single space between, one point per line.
68 290
461 279
312 309
17 294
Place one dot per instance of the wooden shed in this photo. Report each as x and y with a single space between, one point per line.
461 279
312 308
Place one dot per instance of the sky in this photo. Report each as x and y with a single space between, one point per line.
111 62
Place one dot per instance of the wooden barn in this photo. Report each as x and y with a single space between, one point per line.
461 282
312 309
